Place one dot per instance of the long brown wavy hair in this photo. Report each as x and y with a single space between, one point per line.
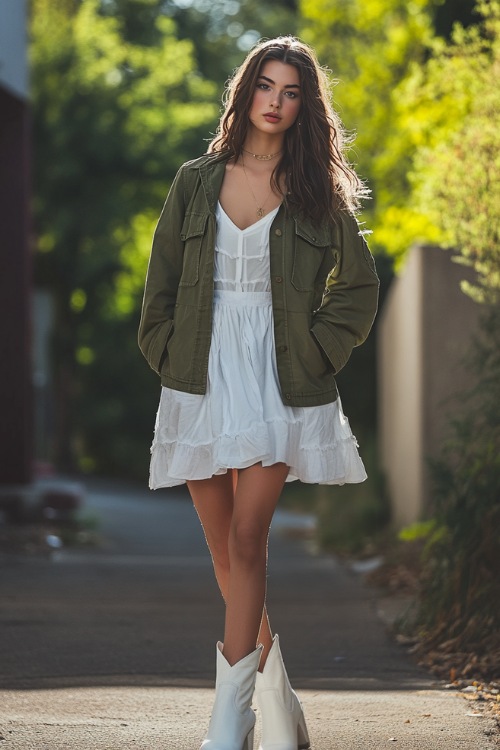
317 177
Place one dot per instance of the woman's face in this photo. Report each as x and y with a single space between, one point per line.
277 98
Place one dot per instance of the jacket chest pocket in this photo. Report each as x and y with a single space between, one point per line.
308 254
192 233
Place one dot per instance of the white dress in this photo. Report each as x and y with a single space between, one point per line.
241 419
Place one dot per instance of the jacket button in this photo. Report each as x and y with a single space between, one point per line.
278 232
278 279
288 396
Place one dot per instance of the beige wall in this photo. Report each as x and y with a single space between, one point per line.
423 333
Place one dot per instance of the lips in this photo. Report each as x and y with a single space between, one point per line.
272 117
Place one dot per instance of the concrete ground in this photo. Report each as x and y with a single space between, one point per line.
114 647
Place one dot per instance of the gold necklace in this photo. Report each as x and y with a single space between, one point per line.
260 209
262 157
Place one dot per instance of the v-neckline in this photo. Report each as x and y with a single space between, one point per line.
250 226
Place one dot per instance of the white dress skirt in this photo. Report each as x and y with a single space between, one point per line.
241 419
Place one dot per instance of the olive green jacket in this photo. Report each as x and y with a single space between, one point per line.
323 283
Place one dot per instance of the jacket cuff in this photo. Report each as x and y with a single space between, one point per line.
331 345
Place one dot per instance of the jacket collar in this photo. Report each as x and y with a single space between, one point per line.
212 173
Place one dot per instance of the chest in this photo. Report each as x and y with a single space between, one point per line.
247 195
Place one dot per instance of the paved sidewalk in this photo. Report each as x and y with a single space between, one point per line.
145 717
115 648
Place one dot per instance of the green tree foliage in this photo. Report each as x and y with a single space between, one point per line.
405 91
224 30
118 104
371 49
456 175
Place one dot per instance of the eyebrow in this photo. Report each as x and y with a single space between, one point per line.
288 85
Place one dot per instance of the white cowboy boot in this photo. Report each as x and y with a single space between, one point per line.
232 722
283 723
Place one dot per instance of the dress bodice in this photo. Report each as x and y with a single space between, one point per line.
242 255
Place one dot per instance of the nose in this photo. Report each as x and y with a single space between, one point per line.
276 100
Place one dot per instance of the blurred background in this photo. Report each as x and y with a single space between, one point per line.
102 100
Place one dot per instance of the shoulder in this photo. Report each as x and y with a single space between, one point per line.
203 161
347 223
192 172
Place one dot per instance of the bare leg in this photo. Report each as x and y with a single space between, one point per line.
257 493
214 500
265 634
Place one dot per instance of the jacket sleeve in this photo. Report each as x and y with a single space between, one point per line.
163 275
349 302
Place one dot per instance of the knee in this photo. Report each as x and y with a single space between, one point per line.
248 543
217 543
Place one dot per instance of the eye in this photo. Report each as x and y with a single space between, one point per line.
291 94
263 86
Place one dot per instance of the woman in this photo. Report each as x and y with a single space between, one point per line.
259 285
